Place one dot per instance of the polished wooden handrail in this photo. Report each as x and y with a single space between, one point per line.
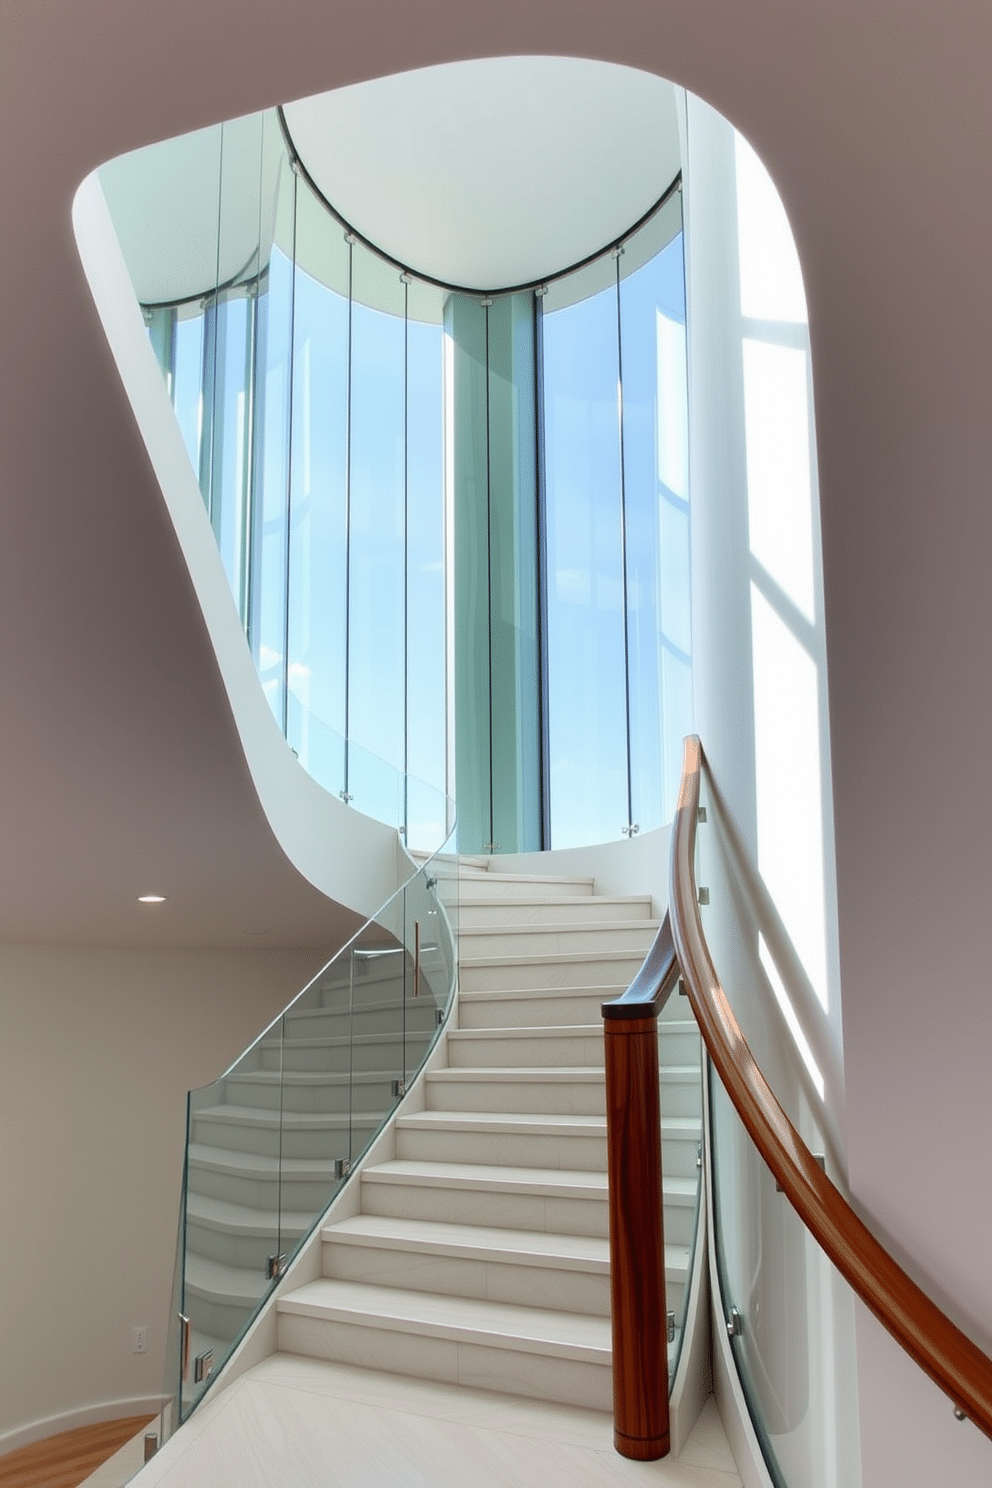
937 1345
637 1238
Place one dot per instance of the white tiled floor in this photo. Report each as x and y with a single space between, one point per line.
297 1423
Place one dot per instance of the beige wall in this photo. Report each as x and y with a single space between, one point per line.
98 1049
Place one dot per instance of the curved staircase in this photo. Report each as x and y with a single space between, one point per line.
479 1254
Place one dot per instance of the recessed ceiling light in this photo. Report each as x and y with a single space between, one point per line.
151 898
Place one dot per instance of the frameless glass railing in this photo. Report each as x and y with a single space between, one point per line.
808 1295
271 1143
422 814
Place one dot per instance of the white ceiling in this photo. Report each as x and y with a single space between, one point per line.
493 172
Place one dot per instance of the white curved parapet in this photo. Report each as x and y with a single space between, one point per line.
346 855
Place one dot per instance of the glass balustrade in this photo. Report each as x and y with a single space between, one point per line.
272 1141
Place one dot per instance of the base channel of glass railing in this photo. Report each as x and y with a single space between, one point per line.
271 1143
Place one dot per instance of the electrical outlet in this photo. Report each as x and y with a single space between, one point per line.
139 1339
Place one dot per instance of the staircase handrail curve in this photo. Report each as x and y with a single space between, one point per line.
654 982
342 950
952 1360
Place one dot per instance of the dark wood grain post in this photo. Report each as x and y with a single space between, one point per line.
637 1241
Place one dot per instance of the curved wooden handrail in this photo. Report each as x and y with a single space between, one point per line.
648 992
937 1345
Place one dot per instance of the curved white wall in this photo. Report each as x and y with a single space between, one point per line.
349 857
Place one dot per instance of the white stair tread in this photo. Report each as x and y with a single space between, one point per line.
560 1182
508 880
221 1283
524 994
557 958
556 1030
479 1242
482 1242
312 1077
256 1164
261 1116
460 1319
639 929
241 1219
505 1123
548 901
531 1074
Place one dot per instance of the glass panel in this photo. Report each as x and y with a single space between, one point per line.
232 1205
232 353
376 671
516 773
270 1143
586 704
680 1060
466 392
318 532
795 1353
426 722
652 307
272 401
187 377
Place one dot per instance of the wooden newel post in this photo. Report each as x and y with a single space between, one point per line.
637 1242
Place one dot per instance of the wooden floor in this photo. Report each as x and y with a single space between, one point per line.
63 1461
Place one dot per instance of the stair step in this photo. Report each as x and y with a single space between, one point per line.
592 934
582 969
535 1007
515 1247
580 1045
476 912
567 1271
259 1181
479 884
553 1355
294 1134
580 1090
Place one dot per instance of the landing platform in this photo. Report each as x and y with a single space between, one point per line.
300 1423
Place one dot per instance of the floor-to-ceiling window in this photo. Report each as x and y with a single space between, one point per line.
452 521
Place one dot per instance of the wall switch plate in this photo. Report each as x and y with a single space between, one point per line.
139 1339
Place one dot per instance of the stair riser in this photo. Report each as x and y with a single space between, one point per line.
499 976
329 1023
562 1097
678 1219
681 1096
300 1195
318 1145
559 1216
503 1369
678 1046
458 1276
502 886
222 1321
553 1010
518 1150
247 1252
679 1156
380 1051
527 1051
565 912
565 940
327 1098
